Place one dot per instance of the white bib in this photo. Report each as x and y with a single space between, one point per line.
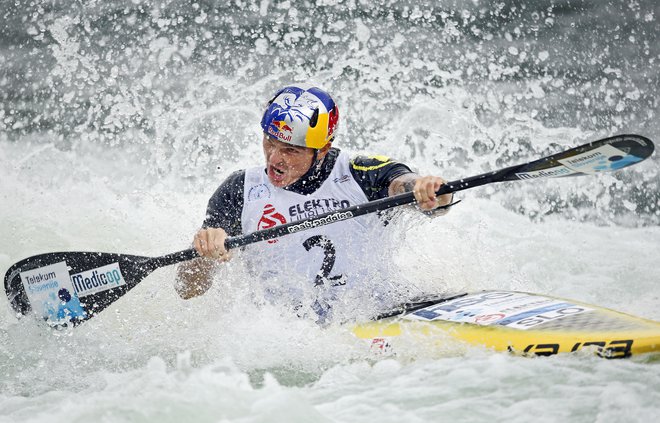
330 259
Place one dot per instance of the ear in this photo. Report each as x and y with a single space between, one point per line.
322 152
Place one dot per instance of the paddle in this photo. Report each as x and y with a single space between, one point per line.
71 287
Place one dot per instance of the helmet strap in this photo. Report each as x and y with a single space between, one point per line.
316 165
314 171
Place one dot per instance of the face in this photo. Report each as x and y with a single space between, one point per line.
286 163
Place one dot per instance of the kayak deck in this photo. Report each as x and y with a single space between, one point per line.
522 323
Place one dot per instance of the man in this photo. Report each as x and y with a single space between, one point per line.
305 176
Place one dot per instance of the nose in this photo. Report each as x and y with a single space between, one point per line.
273 154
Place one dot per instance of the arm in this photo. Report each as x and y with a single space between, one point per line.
424 188
380 177
195 277
223 218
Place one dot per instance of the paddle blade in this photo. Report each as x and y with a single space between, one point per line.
70 287
606 155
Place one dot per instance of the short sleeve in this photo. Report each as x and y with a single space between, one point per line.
375 173
226 205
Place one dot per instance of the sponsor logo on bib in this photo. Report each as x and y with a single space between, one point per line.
321 221
341 179
269 219
258 192
311 208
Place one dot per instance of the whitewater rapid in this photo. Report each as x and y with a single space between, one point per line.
119 119
152 356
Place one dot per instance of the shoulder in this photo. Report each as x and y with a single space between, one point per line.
236 177
367 163
226 204
375 173
231 187
383 168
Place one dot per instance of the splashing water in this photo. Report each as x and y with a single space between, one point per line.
118 120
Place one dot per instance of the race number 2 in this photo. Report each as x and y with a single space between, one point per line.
329 254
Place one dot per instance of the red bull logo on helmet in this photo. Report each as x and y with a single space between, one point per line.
282 126
280 130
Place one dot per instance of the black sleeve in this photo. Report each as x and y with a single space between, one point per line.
226 205
375 173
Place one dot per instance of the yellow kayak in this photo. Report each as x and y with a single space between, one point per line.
518 322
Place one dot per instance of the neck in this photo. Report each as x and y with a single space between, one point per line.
317 173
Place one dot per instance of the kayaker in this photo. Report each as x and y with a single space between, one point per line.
303 176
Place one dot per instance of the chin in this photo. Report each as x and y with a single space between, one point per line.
278 184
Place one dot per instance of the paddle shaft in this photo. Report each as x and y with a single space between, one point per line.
517 172
315 222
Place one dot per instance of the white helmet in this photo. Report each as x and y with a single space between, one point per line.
301 115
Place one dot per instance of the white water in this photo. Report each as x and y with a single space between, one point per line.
154 357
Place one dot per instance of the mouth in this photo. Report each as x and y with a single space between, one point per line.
276 175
